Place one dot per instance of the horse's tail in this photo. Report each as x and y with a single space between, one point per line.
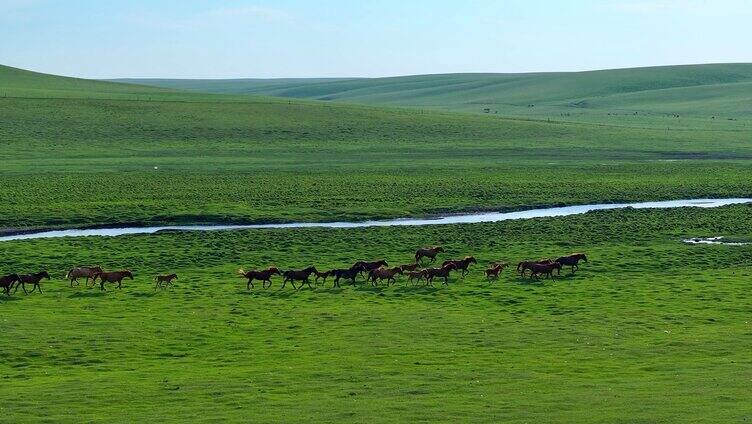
156 278
519 265
69 273
241 272
417 256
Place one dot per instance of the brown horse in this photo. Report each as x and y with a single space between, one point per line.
6 282
111 277
382 273
443 272
265 276
32 279
461 264
409 267
572 260
166 279
525 265
413 276
367 267
302 276
547 269
494 269
427 252
84 271
323 275
348 274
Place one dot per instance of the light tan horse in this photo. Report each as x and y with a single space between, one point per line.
83 271
382 273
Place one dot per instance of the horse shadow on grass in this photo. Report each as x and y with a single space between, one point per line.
86 294
278 293
418 289
4 298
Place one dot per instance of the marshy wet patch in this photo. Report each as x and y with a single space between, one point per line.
718 240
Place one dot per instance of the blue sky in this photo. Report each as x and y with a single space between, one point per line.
325 38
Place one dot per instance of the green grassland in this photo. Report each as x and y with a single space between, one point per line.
651 330
80 153
655 94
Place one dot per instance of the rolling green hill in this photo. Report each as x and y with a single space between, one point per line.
88 151
721 90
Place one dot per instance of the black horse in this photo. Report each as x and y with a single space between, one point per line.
572 260
6 282
302 276
32 279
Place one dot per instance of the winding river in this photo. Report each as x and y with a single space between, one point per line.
448 219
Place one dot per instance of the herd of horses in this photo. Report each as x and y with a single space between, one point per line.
374 272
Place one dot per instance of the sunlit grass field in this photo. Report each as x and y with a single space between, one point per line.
650 330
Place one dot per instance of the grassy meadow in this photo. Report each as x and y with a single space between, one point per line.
650 321
650 330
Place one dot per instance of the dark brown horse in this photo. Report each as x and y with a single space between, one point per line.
494 269
84 271
572 260
443 272
409 267
525 265
323 275
427 252
383 273
6 282
348 274
365 267
414 277
111 277
265 276
546 269
163 281
302 276
461 264
32 279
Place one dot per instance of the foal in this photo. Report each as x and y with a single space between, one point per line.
494 269
166 279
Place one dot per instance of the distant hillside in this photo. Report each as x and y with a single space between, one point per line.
700 90
16 82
